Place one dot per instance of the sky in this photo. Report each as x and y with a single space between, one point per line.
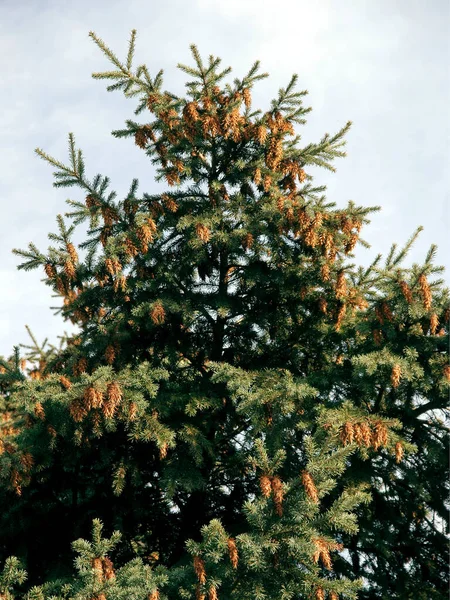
382 65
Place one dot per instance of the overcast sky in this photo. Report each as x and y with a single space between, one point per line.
382 64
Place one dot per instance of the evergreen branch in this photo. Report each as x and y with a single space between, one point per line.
327 149
36 258
131 49
68 176
11 575
219 76
391 261
66 183
141 106
133 188
390 256
120 85
53 161
195 53
189 71
109 53
431 254
253 75
126 78
213 63
80 163
110 75
157 83
72 153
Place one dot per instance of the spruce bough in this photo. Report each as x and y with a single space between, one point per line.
239 395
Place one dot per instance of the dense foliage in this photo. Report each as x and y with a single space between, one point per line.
247 413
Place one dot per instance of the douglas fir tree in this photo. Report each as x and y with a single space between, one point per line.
239 395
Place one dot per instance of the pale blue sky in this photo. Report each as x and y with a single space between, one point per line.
383 65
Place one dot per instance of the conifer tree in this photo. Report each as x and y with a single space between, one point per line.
239 394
